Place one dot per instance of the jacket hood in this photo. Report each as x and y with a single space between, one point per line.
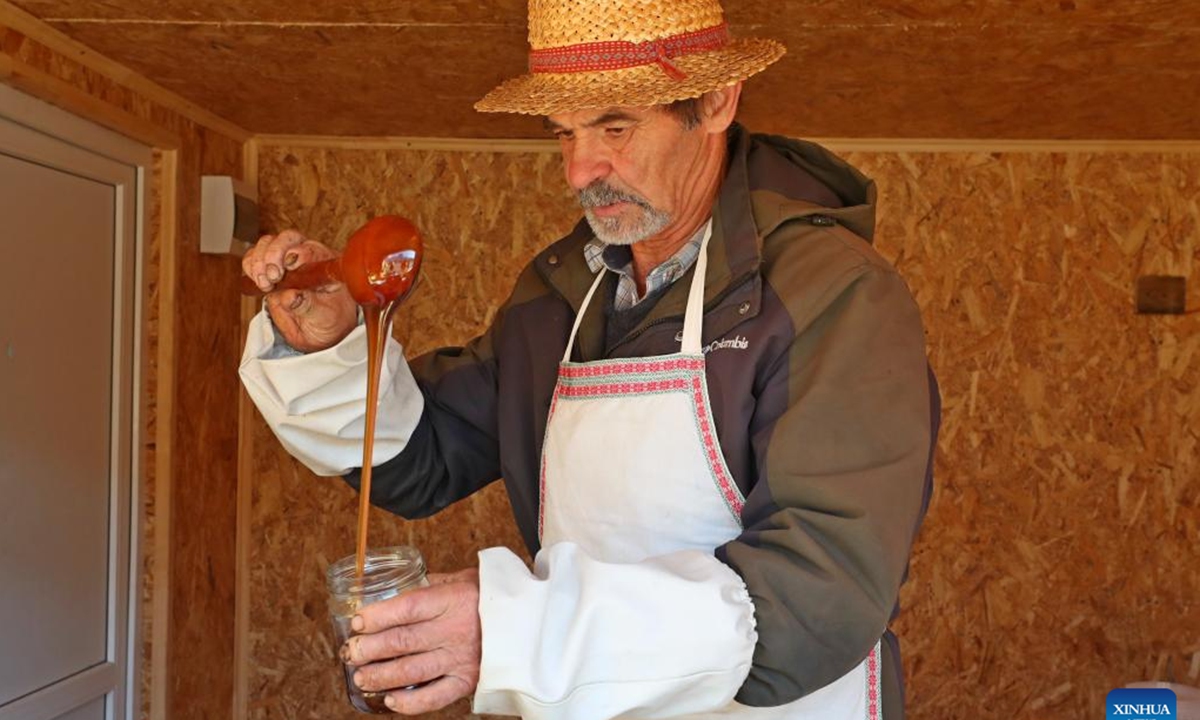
784 169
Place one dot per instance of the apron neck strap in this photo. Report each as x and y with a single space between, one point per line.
693 319
579 316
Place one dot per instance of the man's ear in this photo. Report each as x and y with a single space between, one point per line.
718 107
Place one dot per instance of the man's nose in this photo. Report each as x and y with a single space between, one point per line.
586 162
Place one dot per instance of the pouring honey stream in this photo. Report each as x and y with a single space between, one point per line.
379 267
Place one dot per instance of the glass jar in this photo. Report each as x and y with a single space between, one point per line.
387 572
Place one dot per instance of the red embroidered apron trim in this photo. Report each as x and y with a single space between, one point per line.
604 368
874 700
625 388
542 476
620 54
716 461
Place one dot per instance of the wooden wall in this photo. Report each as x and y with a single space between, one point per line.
854 68
1053 565
1054 562
476 239
191 345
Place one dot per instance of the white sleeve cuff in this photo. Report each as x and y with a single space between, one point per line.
579 638
315 403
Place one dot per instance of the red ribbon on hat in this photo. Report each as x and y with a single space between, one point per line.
619 54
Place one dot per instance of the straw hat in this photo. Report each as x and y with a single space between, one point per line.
599 53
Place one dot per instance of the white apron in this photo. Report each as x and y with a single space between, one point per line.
632 469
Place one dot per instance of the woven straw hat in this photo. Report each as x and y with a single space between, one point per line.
600 53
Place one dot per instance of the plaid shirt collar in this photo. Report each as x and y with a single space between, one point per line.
619 259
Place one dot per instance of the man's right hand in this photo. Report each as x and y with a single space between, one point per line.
311 319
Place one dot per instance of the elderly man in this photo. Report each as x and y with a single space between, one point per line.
710 404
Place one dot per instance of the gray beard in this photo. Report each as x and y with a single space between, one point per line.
647 223
618 231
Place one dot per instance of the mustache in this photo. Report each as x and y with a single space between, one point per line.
600 193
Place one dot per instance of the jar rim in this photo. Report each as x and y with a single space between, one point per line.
398 566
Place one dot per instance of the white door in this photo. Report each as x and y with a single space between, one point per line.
67 412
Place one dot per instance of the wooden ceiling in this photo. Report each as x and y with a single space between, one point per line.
1007 69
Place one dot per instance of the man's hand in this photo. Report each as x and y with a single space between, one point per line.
430 635
311 319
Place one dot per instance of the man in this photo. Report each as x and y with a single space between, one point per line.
722 478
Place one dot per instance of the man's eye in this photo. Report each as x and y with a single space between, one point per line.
615 131
563 134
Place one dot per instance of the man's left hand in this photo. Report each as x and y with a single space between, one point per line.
428 637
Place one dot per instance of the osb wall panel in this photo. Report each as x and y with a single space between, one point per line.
1058 558
909 78
204 467
880 68
476 240
1053 563
204 453
151 287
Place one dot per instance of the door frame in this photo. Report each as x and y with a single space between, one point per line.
56 138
